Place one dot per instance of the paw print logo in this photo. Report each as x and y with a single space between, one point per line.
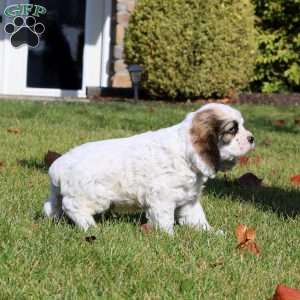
24 31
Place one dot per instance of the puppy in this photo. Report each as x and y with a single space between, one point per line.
160 172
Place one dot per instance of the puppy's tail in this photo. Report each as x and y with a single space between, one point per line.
53 205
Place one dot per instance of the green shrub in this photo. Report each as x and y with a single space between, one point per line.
278 61
192 48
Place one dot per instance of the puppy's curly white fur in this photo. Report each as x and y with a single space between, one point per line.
160 172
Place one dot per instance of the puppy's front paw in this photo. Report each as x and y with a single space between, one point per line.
206 227
220 232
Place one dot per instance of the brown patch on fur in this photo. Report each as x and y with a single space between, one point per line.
204 133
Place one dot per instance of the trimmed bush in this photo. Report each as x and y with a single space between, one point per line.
278 62
192 48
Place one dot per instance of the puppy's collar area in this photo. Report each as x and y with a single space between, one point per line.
200 168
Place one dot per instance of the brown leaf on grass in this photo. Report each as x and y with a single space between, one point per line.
13 130
285 293
250 234
249 179
297 121
245 237
2 164
279 122
295 180
246 160
253 248
240 231
50 157
146 228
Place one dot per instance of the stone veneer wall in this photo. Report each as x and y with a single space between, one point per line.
123 9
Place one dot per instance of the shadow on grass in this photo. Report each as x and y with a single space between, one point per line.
106 217
33 164
109 216
285 203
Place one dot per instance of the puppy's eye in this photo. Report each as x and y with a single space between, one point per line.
233 130
229 131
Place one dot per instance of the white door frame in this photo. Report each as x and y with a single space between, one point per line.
95 55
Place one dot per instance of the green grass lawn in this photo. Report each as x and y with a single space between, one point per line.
40 259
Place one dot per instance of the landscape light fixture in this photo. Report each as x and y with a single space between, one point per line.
135 72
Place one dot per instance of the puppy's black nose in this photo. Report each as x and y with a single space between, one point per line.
250 139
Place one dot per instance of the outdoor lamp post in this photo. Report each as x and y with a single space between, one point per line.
135 76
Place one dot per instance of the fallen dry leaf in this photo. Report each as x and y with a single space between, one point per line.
13 130
146 228
240 231
1 164
285 293
246 160
253 248
297 121
279 122
249 179
250 234
50 157
245 237
295 179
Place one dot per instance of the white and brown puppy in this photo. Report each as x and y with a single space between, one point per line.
160 172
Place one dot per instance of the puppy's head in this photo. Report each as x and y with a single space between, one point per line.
218 136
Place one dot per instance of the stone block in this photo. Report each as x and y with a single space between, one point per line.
123 18
130 6
120 66
118 52
121 80
120 34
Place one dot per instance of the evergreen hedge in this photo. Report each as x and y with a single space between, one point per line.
192 48
278 61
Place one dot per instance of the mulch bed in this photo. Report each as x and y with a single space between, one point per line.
277 99
125 94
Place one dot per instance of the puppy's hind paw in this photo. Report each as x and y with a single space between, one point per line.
220 232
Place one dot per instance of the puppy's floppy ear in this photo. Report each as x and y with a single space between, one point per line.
204 136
